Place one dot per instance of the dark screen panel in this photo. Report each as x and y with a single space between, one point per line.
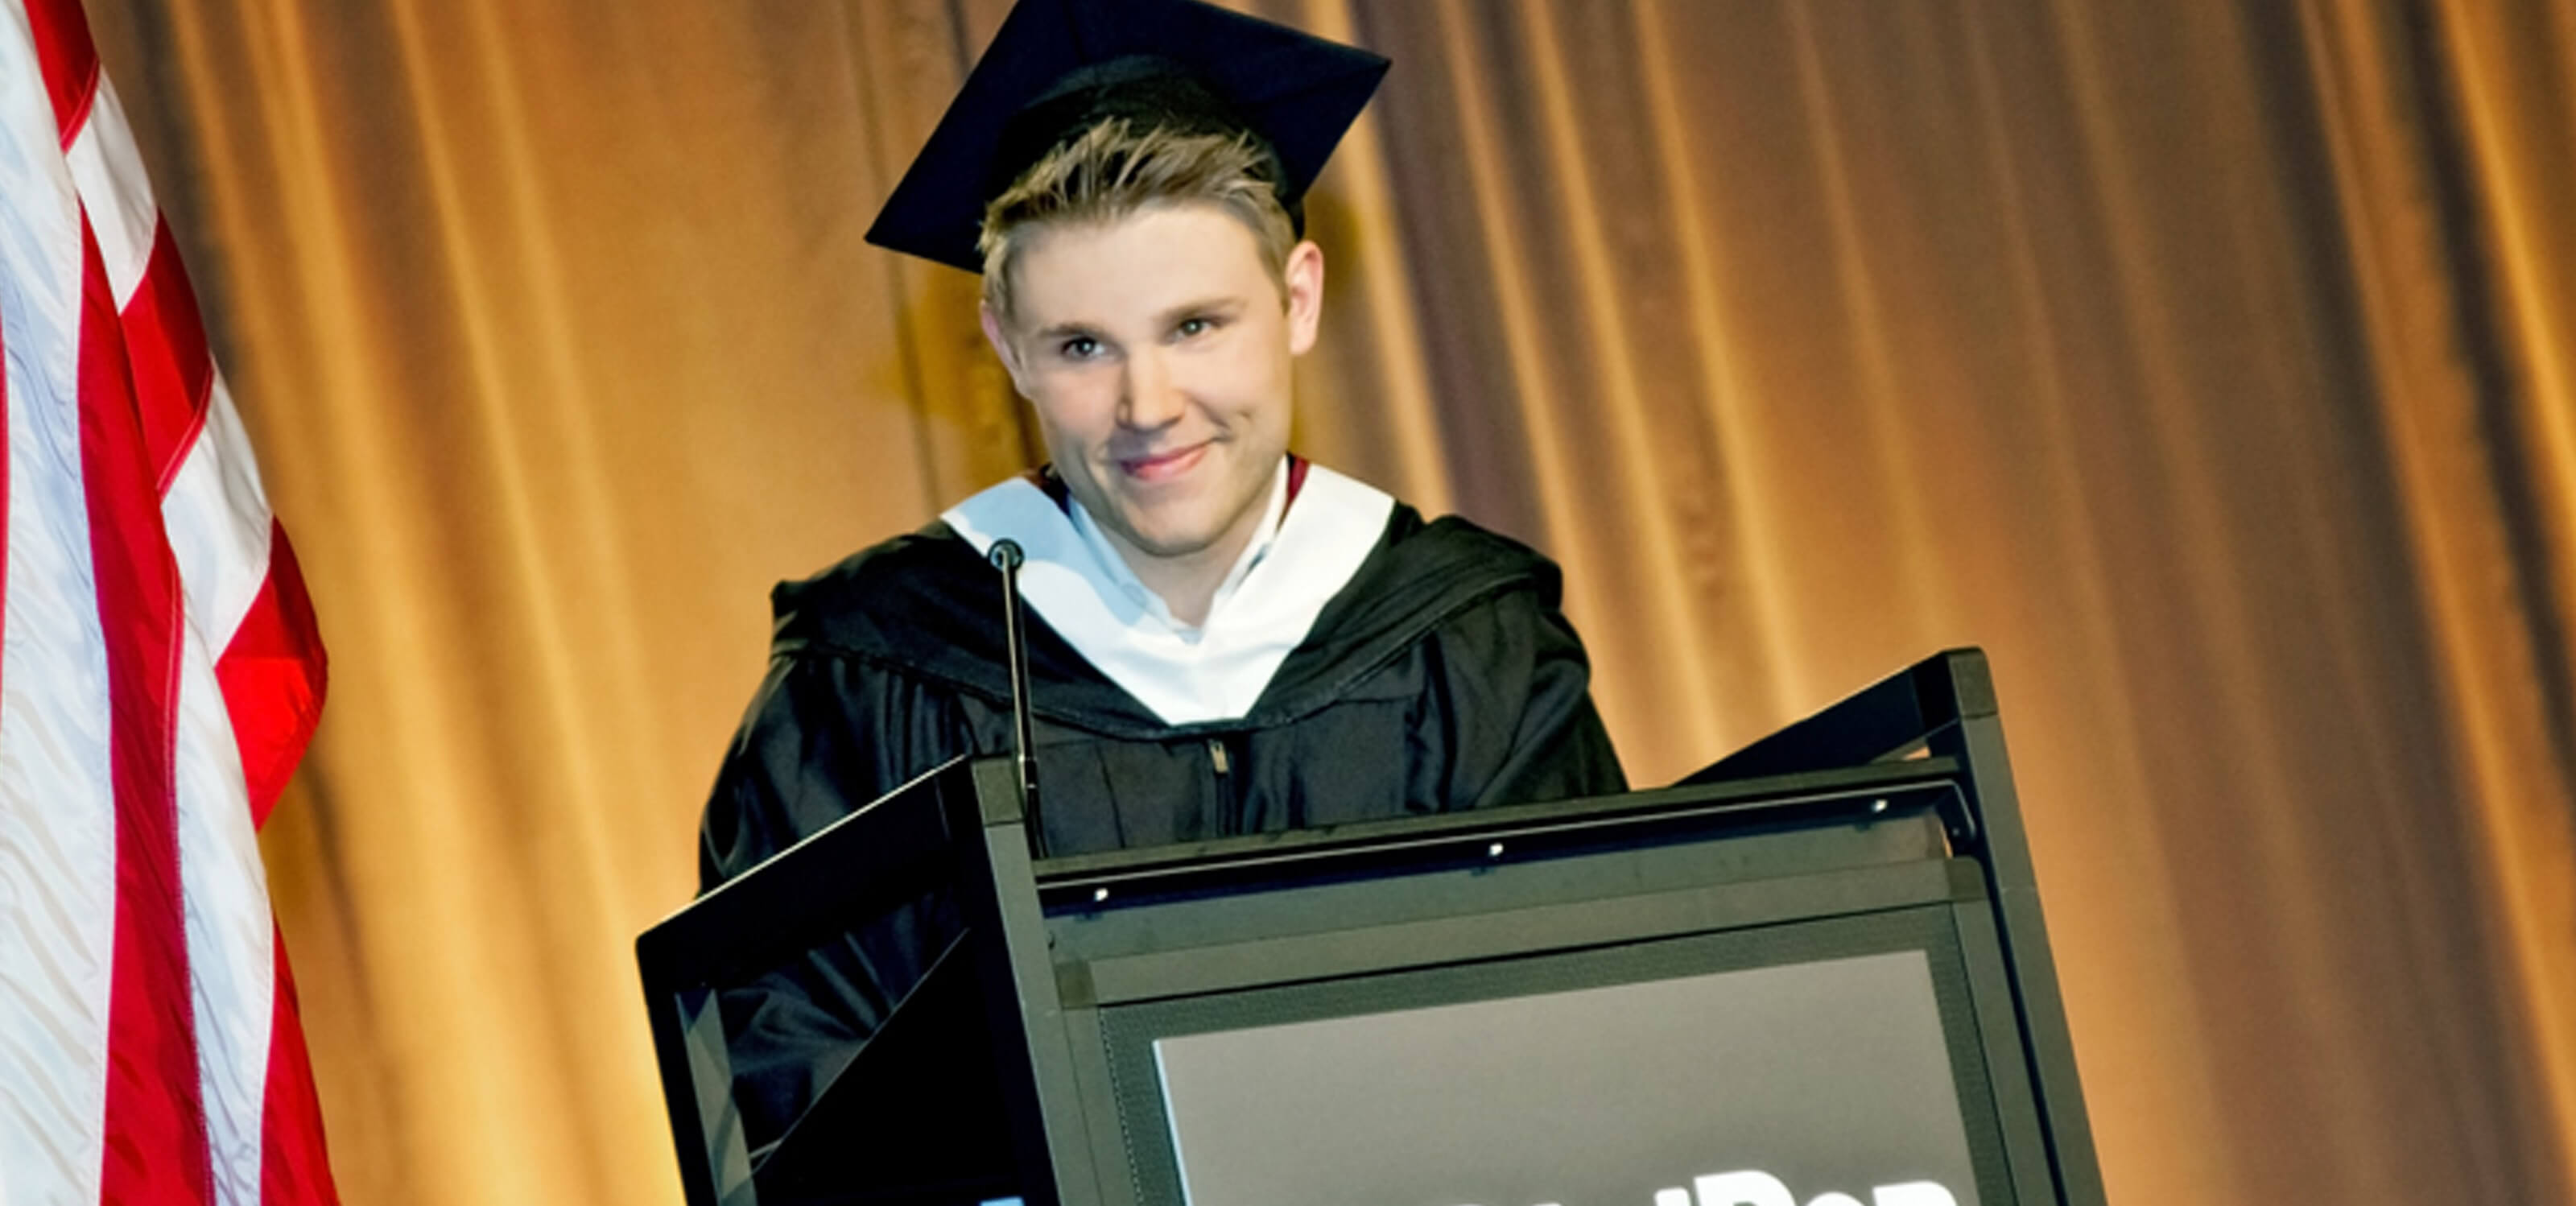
1825 1057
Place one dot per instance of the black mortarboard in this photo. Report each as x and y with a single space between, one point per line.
1058 67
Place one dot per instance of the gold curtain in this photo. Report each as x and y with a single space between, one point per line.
2211 364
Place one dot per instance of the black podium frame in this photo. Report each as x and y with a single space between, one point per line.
1838 788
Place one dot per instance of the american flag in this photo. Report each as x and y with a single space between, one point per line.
159 677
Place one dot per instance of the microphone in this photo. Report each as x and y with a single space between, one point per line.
1006 557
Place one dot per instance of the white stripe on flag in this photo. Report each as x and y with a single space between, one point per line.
230 956
109 171
218 521
57 802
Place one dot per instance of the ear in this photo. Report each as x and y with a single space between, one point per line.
999 336
1303 278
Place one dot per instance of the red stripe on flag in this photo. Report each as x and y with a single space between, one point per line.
294 1164
68 60
273 677
165 342
156 1144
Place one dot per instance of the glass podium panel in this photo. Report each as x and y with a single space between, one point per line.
1837 1056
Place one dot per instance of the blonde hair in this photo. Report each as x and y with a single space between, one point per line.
1113 170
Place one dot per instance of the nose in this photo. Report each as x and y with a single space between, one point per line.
1151 399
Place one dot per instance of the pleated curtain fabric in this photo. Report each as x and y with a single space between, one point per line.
2208 363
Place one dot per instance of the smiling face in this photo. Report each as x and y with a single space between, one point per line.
1155 348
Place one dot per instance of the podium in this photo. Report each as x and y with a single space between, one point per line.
1813 974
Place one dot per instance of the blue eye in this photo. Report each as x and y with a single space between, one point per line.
1080 347
1194 326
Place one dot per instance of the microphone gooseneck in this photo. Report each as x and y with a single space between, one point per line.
1006 557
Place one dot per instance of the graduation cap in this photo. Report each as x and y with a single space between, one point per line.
1060 67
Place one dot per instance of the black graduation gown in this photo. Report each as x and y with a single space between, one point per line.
1441 677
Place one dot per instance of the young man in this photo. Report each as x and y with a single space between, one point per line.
1227 639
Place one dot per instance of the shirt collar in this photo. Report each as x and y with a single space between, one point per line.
1114 567
1306 555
